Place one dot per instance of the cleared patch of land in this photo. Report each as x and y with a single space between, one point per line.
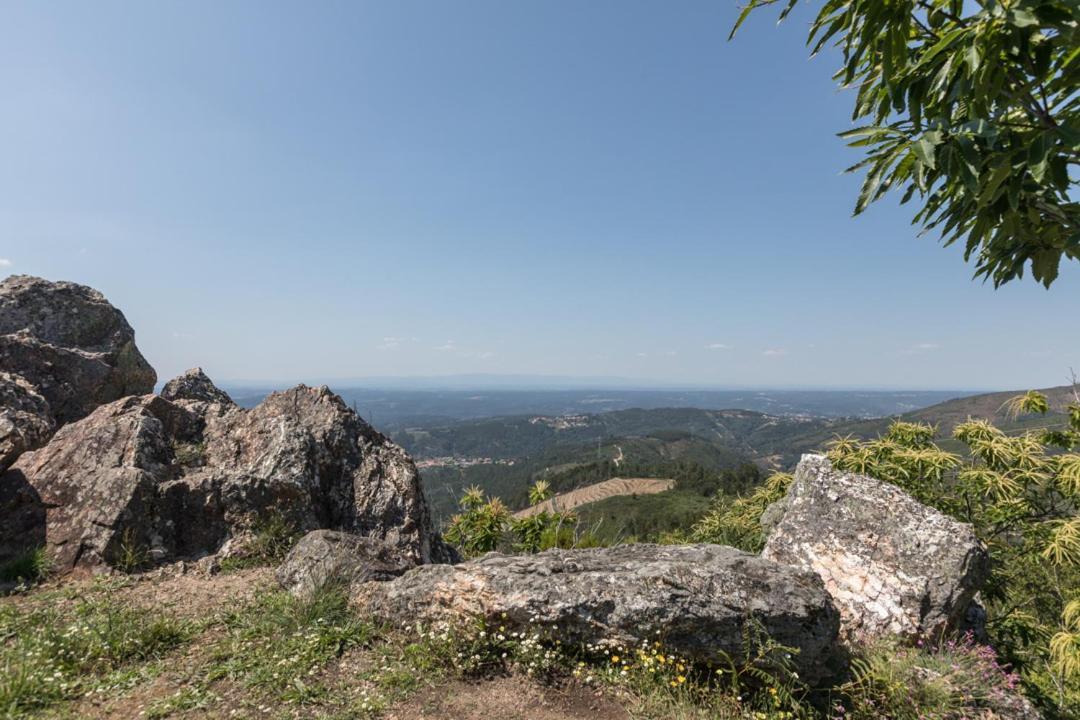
600 491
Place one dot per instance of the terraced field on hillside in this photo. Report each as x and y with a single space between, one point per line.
600 491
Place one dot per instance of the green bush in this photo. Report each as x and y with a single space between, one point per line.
486 524
1021 494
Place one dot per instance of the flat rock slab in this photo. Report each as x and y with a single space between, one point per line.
892 565
696 599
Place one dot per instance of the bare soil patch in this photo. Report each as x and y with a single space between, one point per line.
509 698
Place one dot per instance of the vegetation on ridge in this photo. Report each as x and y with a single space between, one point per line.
1021 494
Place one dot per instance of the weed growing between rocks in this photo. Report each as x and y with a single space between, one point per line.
100 646
270 539
952 680
29 568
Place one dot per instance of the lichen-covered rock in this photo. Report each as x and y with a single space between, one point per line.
180 478
194 385
25 419
328 556
97 481
696 599
892 565
70 344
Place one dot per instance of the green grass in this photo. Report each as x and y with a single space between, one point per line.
29 568
272 536
48 655
278 644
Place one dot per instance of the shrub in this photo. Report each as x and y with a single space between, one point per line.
28 568
486 524
953 680
1021 494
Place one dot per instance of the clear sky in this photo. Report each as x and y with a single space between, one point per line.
301 191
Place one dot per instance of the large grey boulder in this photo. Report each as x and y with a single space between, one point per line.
75 349
181 478
892 565
323 557
696 599
25 419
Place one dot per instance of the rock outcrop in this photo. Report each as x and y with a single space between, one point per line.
892 565
180 477
328 556
696 599
25 419
75 349
195 386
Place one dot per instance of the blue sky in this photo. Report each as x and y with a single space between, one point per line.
301 191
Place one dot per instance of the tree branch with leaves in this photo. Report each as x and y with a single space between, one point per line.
972 107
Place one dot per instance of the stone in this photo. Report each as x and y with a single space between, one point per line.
323 557
194 385
892 565
697 600
75 349
25 419
181 478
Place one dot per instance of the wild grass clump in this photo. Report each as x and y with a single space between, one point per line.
278 644
48 655
271 538
29 568
131 554
952 680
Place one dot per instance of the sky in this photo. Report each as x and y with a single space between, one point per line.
306 191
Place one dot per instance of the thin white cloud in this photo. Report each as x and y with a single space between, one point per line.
643 354
389 343
920 348
775 352
671 353
717 346
448 346
5 263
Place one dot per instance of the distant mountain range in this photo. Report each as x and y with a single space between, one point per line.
505 454
391 409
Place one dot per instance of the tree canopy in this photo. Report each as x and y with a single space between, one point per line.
972 106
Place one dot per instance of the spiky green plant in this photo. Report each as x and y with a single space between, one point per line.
1021 495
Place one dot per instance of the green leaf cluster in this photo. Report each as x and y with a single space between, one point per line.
973 107
486 524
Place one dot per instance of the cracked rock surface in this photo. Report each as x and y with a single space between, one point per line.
698 600
74 348
180 478
892 565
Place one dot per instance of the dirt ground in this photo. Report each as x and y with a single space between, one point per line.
513 698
